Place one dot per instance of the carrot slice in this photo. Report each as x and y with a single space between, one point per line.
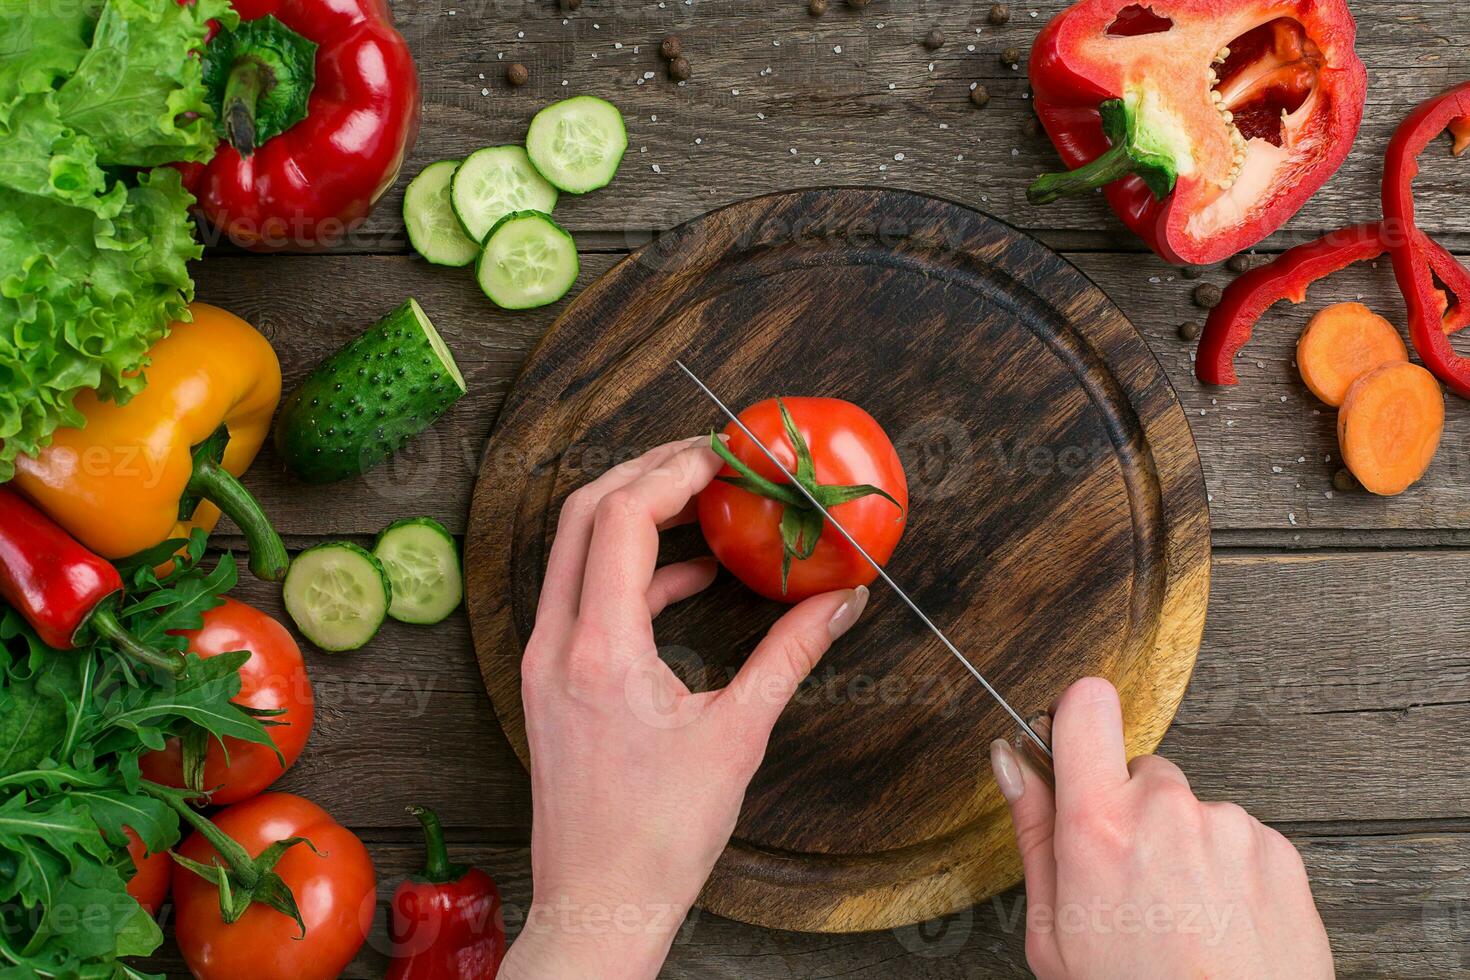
1389 426
1343 343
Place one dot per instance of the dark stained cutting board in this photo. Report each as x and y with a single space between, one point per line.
1059 525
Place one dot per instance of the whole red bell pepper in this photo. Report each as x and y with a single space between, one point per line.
447 922
318 104
67 594
1208 122
1410 249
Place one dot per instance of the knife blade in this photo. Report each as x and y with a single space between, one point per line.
1035 741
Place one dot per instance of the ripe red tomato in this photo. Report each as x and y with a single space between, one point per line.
848 448
274 678
149 884
335 888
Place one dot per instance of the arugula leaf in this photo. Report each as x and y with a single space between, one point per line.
73 725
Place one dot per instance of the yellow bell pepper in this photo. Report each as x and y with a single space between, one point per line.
141 473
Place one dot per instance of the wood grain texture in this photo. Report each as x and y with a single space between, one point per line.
1079 547
848 92
1393 907
1268 448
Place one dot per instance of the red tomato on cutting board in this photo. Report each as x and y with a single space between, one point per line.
848 448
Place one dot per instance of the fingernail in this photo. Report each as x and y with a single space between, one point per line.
847 614
1007 770
723 437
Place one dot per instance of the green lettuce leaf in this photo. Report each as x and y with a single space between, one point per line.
83 299
93 255
136 94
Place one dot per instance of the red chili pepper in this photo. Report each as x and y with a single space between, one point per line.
447 922
318 101
65 592
1409 248
1200 156
1244 301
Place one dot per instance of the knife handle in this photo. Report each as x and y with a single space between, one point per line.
1036 759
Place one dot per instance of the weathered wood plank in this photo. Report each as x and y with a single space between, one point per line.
846 94
1393 906
1330 687
1268 449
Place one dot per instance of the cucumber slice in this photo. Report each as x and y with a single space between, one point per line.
337 595
433 230
529 261
492 183
577 143
422 562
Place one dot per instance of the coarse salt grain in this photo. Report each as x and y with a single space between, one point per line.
898 156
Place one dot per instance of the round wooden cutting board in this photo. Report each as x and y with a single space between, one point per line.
1058 522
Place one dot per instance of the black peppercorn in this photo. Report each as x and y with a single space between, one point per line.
679 69
816 7
517 74
1192 271
569 5
672 47
1343 481
934 40
1207 295
1189 330
999 14
1239 263
980 95
1011 57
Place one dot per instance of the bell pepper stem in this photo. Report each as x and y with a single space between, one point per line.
211 481
1115 164
437 869
249 79
104 623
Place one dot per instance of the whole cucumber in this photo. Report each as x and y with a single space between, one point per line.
361 405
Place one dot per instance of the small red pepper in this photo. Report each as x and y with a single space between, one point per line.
67 594
1229 326
318 104
1208 122
1409 248
447 922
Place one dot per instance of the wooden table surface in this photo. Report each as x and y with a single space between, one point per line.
1332 694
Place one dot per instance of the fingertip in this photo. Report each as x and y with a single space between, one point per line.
1087 738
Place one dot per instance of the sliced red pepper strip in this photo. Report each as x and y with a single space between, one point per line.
1229 326
1410 249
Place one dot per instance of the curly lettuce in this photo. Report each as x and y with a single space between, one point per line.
94 253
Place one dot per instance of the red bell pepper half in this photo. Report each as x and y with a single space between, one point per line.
1209 123
318 104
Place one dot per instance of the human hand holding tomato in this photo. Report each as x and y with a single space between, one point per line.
768 535
273 679
331 878
637 781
